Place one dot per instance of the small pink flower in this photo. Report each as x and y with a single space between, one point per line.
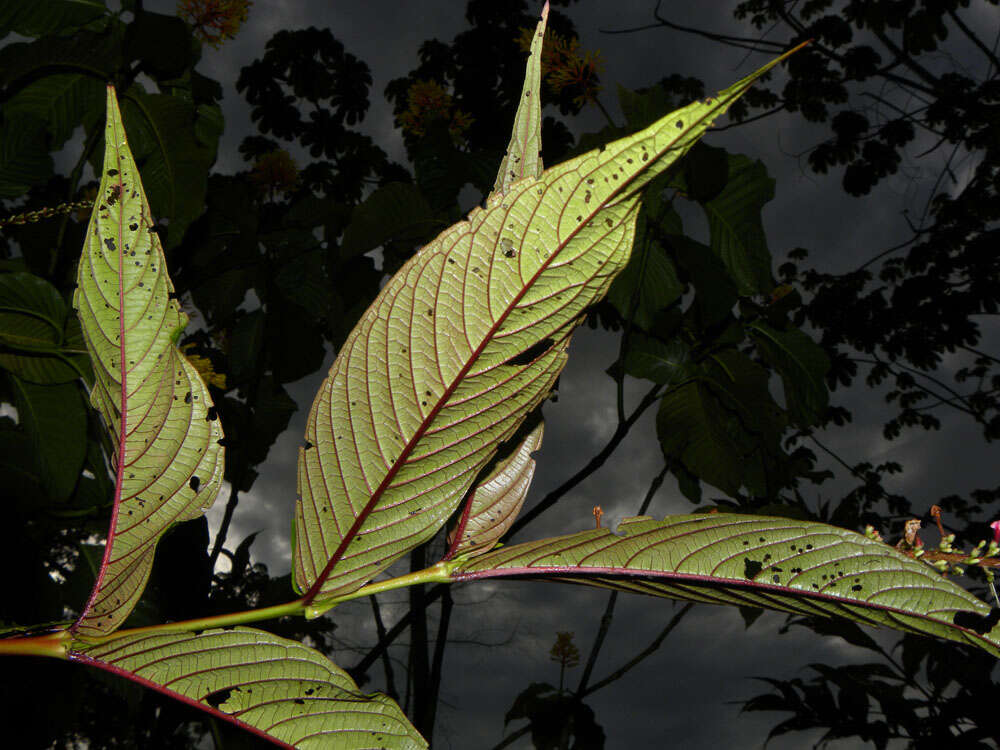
996 531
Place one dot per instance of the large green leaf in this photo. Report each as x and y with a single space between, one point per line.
649 282
62 100
396 211
24 154
461 344
734 222
169 462
276 688
55 419
48 17
175 164
802 365
693 428
759 561
39 341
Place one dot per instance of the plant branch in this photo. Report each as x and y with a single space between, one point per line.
648 651
593 465
390 679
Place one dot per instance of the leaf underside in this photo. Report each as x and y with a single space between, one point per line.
758 561
461 344
498 498
168 458
276 688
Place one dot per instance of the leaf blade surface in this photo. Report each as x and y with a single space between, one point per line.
761 561
277 688
460 345
169 460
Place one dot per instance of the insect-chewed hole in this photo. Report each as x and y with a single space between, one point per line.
530 354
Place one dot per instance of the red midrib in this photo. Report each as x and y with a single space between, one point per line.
338 553
123 400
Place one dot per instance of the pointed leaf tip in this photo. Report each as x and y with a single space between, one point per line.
524 151
168 459
760 561
459 347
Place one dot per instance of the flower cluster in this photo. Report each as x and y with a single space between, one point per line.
564 68
204 367
427 103
214 21
275 172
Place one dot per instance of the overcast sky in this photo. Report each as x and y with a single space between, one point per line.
683 696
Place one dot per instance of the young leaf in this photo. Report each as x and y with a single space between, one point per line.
169 462
524 152
461 344
760 561
278 689
498 499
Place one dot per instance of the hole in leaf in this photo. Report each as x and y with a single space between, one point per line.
195 483
530 354
217 698
751 568
976 622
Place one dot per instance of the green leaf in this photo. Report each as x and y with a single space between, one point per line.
22 481
162 43
461 344
62 101
174 162
693 428
27 294
642 109
49 17
656 360
497 499
55 418
33 328
154 403
275 688
760 561
95 54
396 211
705 173
24 154
649 282
715 290
802 365
304 281
736 228
524 152
245 345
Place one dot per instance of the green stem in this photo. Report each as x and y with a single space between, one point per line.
438 573
57 644
288 609
50 644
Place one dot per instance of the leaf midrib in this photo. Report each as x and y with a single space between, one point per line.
123 397
619 192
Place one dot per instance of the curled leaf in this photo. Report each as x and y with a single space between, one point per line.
168 461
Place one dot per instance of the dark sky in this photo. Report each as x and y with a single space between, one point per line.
684 695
